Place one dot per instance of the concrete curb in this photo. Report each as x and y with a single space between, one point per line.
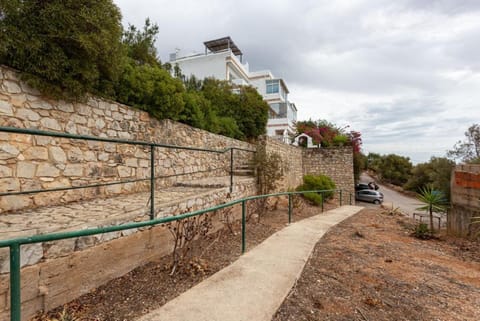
253 287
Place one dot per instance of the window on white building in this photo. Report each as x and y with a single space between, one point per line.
273 86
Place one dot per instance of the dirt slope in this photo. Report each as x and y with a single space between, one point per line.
370 268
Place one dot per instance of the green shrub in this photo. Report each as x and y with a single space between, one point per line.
150 88
317 182
340 140
314 198
64 48
422 231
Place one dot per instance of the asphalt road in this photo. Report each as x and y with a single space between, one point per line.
392 198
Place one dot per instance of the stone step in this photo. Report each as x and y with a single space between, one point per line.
111 211
243 172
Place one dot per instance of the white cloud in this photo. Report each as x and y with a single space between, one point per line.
404 73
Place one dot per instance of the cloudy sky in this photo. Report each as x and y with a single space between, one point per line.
406 74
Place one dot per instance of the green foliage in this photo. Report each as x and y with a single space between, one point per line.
140 44
69 48
251 114
269 171
64 48
321 131
316 183
422 232
434 201
359 165
436 173
340 140
392 168
373 161
327 134
314 198
241 115
150 88
468 150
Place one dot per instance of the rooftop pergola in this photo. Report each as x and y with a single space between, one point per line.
222 44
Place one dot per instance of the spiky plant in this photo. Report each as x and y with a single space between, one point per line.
433 200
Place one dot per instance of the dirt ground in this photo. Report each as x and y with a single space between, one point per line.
371 268
367 268
151 286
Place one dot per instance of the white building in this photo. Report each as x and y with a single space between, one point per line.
223 60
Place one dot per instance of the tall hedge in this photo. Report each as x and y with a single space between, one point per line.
65 48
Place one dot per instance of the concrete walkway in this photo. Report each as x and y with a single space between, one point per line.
254 286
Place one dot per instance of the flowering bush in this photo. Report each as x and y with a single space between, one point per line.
326 134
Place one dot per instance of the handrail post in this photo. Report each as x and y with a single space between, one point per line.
321 194
340 197
15 287
244 218
231 170
289 208
350 194
152 182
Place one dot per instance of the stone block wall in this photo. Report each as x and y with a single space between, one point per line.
291 162
465 199
337 163
38 162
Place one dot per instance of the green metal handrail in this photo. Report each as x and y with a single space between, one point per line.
14 244
152 146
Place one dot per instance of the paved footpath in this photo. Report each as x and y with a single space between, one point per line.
253 287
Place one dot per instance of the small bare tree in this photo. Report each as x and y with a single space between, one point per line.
269 171
184 232
226 216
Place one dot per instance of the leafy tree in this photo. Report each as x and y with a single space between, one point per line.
395 169
322 132
64 48
140 44
145 84
359 164
251 114
468 150
373 161
434 202
435 173
243 114
150 88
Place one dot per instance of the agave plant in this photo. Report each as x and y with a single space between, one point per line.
434 201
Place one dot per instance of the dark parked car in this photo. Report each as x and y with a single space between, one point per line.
368 195
361 186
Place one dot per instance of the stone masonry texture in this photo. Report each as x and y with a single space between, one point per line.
186 181
37 162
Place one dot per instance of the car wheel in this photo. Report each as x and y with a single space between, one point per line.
376 202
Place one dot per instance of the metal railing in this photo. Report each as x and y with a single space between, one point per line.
15 244
151 145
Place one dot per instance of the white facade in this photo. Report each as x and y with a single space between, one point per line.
224 65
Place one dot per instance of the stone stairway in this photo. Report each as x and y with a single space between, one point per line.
101 212
244 169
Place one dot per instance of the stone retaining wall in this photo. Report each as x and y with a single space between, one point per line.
291 162
38 162
57 272
465 199
337 163
65 269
